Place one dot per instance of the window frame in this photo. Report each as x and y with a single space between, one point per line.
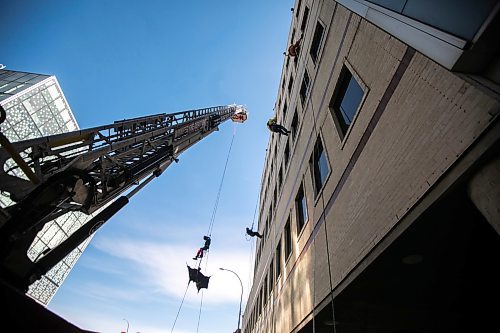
277 259
305 18
272 277
305 88
286 154
287 233
314 164
317 43
294 125
336 100
290 85
301 213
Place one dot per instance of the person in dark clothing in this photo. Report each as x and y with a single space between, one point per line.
277 128
252 233
199 254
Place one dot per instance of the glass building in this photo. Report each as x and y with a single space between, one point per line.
35 106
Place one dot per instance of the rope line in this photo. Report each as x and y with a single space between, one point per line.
199 313
209 233
212 220
178 311
255 211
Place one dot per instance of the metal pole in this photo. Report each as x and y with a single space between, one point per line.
241 296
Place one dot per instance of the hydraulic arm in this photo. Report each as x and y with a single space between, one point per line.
85 171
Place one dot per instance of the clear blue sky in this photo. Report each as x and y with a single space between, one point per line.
122 59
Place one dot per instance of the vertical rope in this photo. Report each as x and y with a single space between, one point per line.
199 313
212 220
178 311
326 234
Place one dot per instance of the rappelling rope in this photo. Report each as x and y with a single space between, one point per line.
211 225
212 220
179 311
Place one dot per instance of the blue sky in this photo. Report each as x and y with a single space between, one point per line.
123 59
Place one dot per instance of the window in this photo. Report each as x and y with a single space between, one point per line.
287 152
284 112
304 88
295 124
266 290
316 42
301 209
260 301
280 177
271 276
297 10
288 240
269 217
290 84
345 101
278 260
304 19
275 195
319 166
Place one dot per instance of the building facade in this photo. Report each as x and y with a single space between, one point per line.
380 211
35 106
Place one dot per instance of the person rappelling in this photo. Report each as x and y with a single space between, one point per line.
205 247
273 126
252 233
294 48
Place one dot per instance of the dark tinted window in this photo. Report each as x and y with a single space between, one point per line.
319 166
277 259
271 276
288 239
304 19
301 209
297 10
316 42
304 88
345 100
295 124
290 84
287 152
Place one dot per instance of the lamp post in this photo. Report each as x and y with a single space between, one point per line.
127 323
241 296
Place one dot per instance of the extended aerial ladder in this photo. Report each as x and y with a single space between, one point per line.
87 170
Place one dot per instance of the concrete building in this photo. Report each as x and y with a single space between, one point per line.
35 106
380 211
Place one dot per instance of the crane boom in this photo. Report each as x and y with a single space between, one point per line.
87 170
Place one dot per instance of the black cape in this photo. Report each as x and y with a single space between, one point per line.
197 277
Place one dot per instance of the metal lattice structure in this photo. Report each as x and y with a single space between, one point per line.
85 171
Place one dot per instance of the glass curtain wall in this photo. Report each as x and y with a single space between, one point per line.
35 106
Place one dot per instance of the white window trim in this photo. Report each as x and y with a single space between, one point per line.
365 89
438 45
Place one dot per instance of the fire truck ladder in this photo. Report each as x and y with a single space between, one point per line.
85 171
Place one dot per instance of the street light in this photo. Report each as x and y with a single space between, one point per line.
241 296
127 323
